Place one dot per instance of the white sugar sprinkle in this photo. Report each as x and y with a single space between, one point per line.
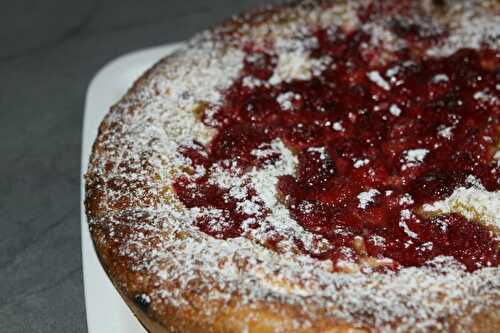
366 198
438 78
285 100
413 157
360 163
154 120
337 126
395 110
473 202
375 77
445 131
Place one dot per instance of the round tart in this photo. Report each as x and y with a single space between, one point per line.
320 166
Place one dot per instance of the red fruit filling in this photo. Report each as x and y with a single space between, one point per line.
373 145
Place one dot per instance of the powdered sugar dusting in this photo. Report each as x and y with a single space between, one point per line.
365 198
395 110
297 65
137 156
379 80
473 24
264 180
413 157
473 201
405 215
286 100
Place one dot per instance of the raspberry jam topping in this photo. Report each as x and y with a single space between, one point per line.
373 143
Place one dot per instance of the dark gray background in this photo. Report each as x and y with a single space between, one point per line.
49 51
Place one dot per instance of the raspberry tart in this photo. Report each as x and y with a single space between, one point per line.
319 166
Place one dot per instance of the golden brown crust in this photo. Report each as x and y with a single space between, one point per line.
127 187
232 317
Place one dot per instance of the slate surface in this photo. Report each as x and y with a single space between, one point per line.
49 51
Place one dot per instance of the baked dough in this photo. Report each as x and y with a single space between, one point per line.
180 278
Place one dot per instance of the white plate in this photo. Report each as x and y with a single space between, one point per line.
106 311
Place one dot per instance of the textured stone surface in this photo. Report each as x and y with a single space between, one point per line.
49 52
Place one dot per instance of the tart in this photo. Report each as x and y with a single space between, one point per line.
319 166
